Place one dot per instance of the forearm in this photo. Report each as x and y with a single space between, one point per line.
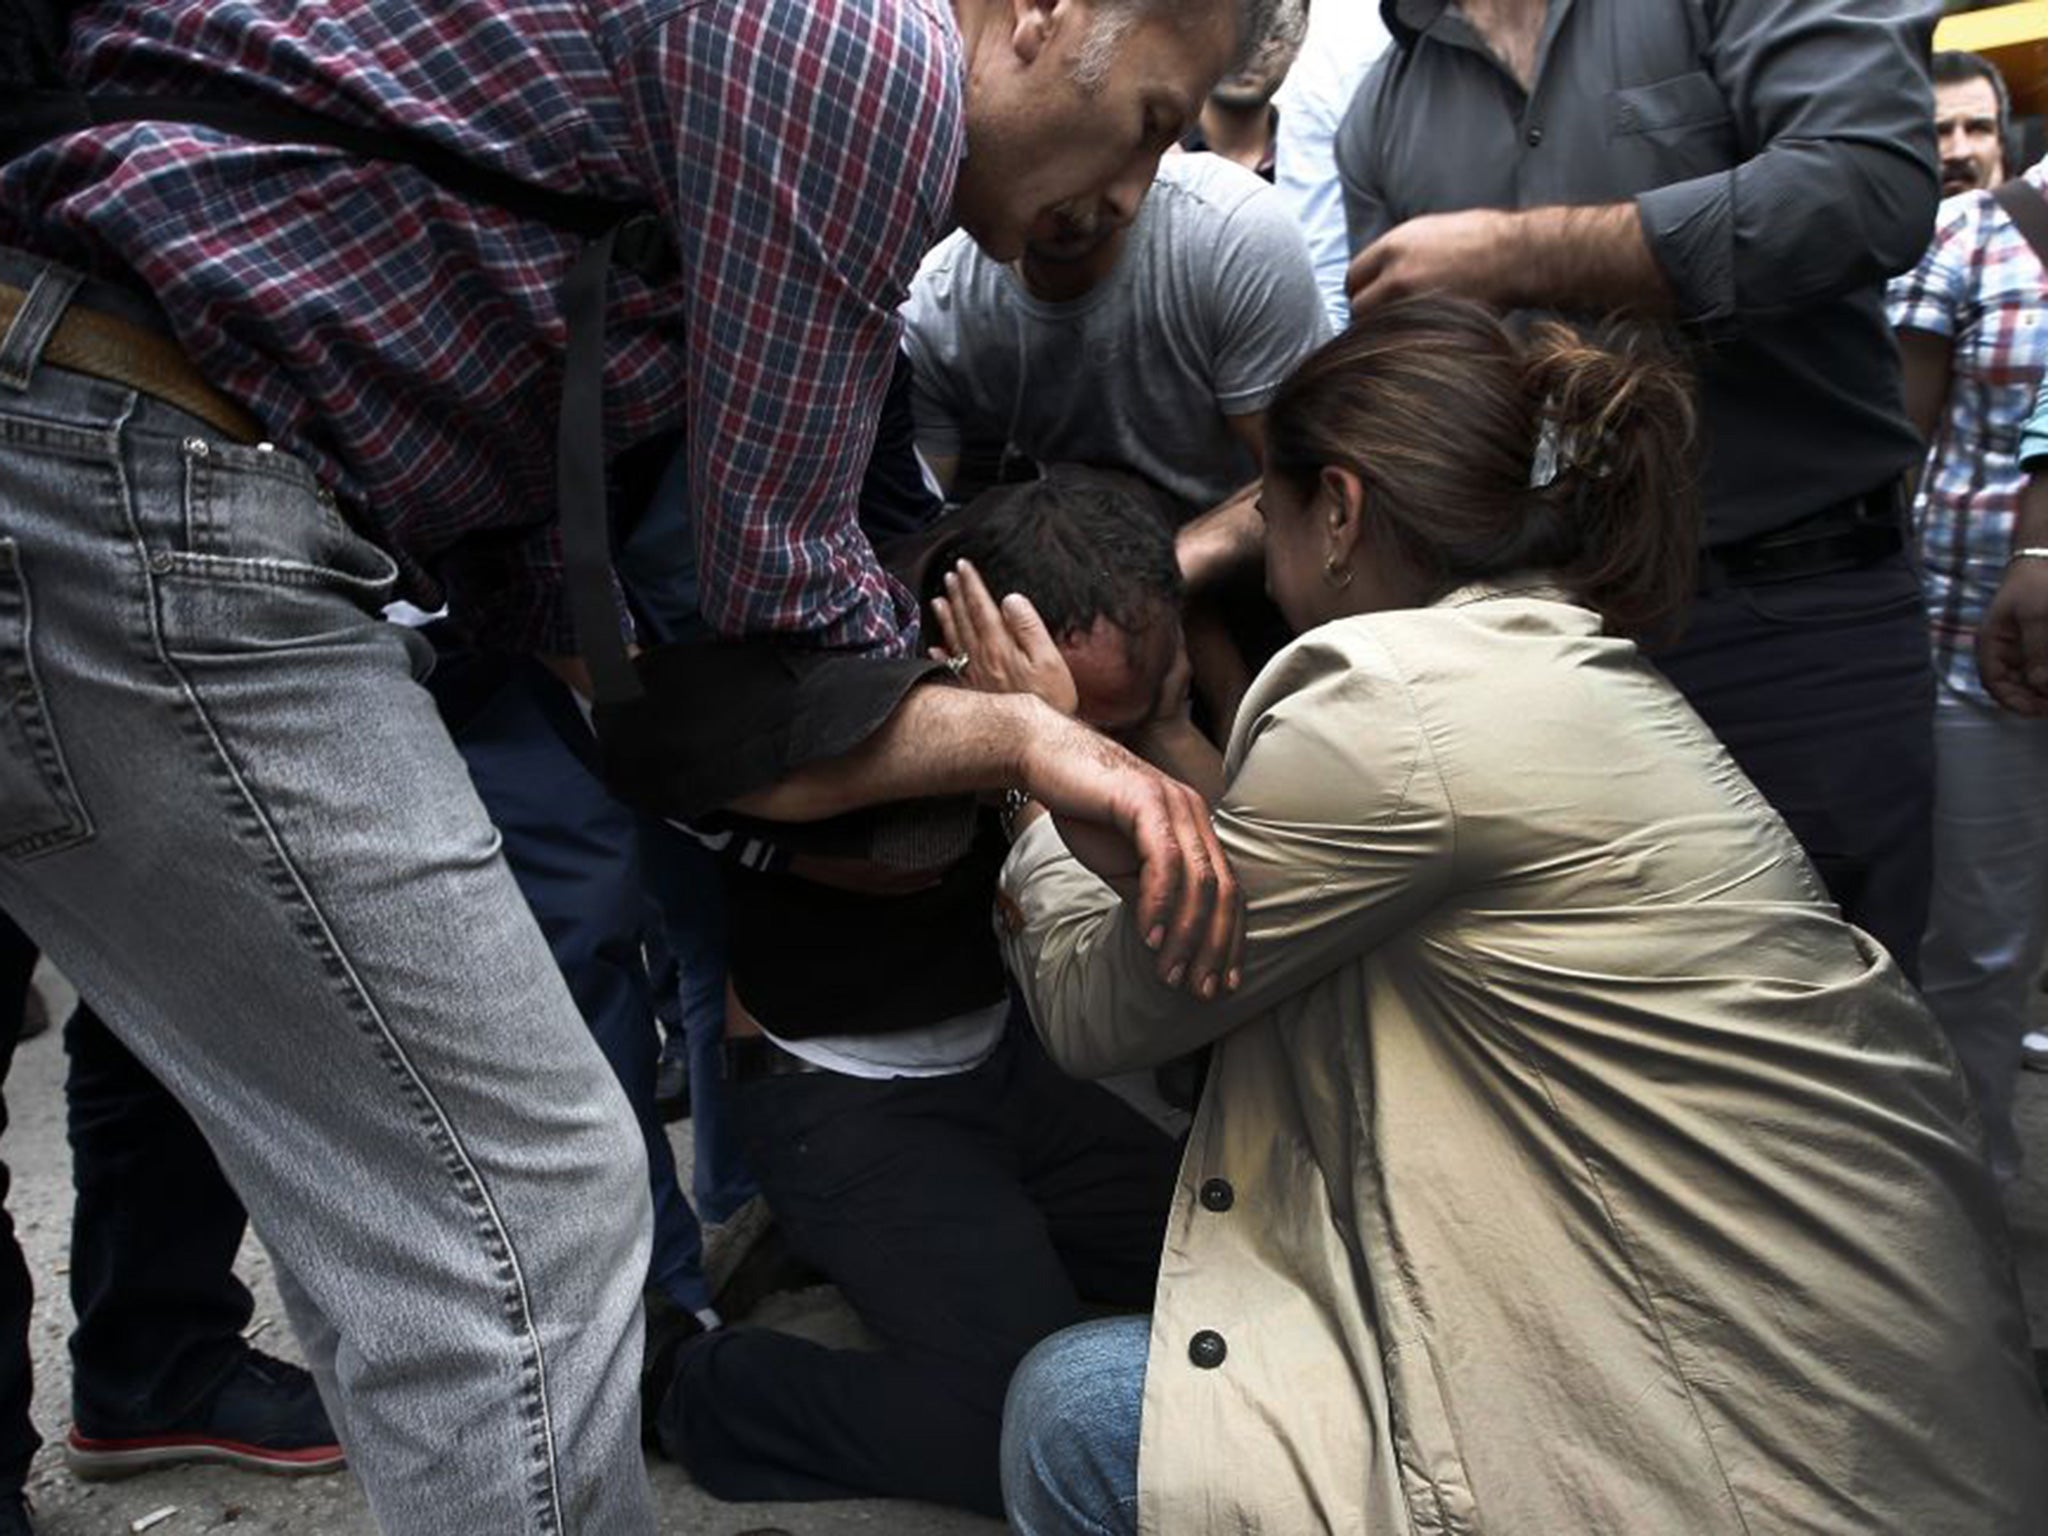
939 741
1582 260
1592 260
1177 748
1226 538
1925 362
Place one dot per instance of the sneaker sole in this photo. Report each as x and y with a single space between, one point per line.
101 1461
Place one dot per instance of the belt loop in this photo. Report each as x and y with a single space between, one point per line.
29 332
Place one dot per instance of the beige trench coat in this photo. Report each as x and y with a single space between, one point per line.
1567 1164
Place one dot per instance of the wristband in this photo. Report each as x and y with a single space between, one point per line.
1014 801
2030 552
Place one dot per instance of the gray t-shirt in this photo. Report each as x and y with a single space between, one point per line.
1212 304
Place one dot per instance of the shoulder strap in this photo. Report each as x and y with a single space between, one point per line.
2028 210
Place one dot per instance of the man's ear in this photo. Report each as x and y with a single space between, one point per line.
1034 22
1340 507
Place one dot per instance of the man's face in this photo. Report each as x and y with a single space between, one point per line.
1966 126
1062 140
1076 232
1119 674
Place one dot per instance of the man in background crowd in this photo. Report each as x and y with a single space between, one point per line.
1343 39
1975 350
1972 121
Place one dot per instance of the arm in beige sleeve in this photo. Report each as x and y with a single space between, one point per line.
1337 825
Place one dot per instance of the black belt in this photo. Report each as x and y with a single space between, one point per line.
748 1058
1844 537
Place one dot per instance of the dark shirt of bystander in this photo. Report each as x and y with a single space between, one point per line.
1781 159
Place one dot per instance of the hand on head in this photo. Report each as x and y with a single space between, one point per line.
1006 645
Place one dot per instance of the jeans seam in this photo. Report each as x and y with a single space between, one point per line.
471 1191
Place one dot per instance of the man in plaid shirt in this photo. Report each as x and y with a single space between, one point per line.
248 391
1974 335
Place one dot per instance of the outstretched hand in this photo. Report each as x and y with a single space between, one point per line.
1006 645
1132 824
2012 643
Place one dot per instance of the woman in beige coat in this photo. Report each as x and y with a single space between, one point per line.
1567 1165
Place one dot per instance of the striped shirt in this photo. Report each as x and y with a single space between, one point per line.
1980 286
408 343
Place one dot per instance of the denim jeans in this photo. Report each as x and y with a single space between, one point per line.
575 853
1070 1431
1983 943
690 904
229 812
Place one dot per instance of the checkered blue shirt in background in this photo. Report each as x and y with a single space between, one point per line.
409 344
1981 286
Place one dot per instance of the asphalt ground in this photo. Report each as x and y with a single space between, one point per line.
216 1500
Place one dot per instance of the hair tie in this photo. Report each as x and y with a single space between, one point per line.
1552 454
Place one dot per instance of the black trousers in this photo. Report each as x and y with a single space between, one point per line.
154 1236
1823 691
964 1218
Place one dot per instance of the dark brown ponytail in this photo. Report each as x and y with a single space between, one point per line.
1485 455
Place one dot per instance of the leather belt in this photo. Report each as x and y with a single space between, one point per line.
749 1058
1844 537
105 346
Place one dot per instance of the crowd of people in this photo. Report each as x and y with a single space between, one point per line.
1303 728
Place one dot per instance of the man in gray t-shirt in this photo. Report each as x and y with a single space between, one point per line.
1152 347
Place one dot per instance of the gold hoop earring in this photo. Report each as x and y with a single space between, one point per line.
1336 573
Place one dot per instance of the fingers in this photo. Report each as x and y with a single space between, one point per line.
2032 623
2012 645
1021 619
949 629
1199 922
1364 270
981 619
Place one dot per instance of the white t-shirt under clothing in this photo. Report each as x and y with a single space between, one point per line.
958 1044
1210 307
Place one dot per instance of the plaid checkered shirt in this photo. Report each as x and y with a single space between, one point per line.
409 343
1981 286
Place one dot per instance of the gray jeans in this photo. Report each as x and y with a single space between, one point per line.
230 813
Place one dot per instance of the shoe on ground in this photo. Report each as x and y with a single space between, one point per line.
266 1417
670 1325
748 1259
14 1520
2034 1050
672 1088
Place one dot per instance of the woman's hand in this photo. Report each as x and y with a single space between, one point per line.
1170 742
1007 646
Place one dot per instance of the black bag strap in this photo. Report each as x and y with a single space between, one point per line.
580 479
2028 210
